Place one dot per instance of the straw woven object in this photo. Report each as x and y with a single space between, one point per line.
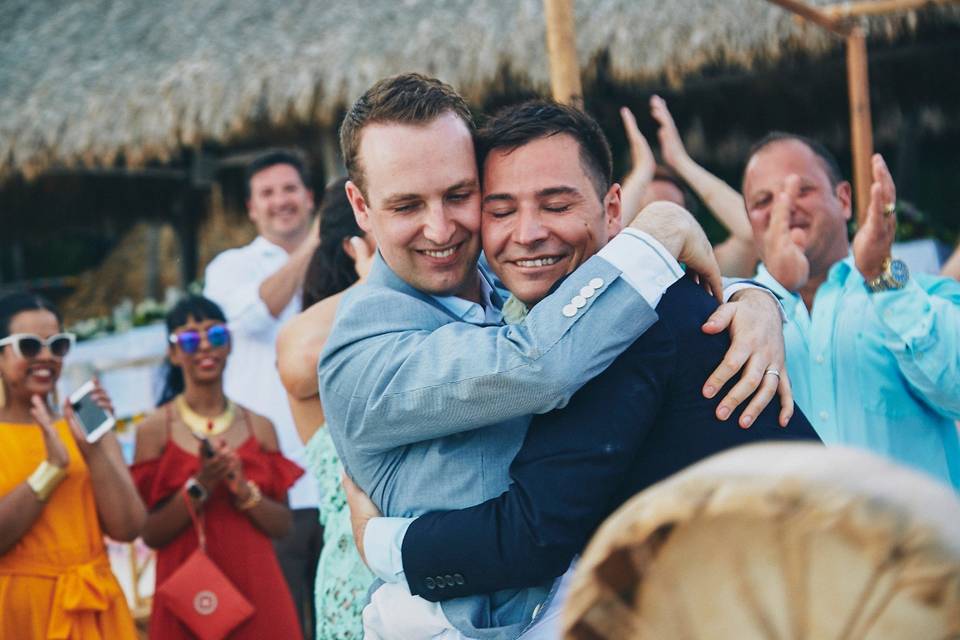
775 541
93 81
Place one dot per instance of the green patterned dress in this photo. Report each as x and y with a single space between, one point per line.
342 577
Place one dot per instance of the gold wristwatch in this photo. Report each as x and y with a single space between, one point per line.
894 276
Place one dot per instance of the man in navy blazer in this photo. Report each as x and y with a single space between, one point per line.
548 193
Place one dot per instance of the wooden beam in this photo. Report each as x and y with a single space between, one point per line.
861 128
814 15
562 49
858 8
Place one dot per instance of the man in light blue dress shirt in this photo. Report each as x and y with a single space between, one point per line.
873 351
427 395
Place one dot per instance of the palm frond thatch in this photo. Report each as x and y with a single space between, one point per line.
88 82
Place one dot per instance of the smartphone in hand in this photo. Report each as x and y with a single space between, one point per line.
93 419
206 449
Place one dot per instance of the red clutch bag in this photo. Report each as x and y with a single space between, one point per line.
201 596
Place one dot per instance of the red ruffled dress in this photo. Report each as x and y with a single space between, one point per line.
242 551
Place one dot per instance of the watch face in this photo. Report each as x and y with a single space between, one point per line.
899 272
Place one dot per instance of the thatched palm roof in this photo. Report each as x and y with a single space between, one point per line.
91 81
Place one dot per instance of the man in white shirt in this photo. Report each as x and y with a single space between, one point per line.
258 286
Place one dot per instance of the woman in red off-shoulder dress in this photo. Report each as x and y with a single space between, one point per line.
239 484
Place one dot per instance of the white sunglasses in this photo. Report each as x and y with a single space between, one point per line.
29 345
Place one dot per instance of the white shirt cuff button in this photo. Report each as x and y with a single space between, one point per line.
596 283
569 311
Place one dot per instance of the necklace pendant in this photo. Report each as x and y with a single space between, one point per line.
210 427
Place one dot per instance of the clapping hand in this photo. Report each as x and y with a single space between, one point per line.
56 451
871 245
781 247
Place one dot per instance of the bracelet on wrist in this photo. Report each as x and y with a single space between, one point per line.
195 490
45 479
253 499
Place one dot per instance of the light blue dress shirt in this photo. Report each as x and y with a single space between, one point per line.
880 371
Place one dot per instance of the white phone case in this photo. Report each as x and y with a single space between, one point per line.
97 432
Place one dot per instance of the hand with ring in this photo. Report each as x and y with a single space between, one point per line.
871 245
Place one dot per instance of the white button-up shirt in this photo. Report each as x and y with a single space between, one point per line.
233 280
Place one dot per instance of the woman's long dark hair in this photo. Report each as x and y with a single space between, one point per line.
331 269
200 309
16 303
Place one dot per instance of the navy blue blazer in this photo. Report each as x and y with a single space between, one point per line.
641 420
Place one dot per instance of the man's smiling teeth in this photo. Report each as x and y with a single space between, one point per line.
446 253
539 262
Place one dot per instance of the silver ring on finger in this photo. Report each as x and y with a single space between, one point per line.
772 372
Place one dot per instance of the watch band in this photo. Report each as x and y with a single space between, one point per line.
196 490
894 276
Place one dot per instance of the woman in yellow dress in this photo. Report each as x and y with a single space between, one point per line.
58 494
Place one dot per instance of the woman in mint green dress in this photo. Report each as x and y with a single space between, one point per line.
342 577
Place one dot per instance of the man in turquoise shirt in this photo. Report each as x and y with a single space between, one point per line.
873 352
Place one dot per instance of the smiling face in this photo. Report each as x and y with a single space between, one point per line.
542 216
26 377
280 204
206 364
818 220
421 202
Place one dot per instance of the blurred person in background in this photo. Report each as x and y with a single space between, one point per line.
647 182
258 287
239 484
59 494
873 351
342 577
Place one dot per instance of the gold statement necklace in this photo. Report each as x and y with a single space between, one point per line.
203 425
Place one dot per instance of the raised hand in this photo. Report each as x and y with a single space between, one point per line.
781 247
679 232
872 243
671 145
56 451
642 159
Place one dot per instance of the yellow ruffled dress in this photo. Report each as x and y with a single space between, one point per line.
56 582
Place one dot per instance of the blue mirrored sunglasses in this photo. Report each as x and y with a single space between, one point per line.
189 341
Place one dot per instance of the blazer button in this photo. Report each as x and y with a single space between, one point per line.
440 582
450 581
596 283
458 578
578 301
569 311
430 583
587 291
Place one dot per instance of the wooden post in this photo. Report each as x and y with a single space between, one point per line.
562 48
861 131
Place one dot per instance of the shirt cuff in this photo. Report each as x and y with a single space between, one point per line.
734 287
382 544
643 262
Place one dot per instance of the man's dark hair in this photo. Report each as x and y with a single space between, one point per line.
827 159
273 157
516 125
409 98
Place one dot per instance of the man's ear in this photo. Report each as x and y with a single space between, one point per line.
613 209
358 202
844 193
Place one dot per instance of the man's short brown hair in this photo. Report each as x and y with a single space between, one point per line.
409 98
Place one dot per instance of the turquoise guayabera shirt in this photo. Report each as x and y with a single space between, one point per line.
880 371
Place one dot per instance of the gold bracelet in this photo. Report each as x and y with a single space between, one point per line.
45 479
253 499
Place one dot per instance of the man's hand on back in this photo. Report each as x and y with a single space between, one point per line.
680 233
362 510
756 350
